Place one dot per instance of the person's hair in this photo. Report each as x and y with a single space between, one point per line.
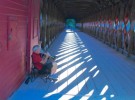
35 48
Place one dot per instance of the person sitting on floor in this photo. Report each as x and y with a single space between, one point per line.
42 63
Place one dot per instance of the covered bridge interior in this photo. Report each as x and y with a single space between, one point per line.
98 26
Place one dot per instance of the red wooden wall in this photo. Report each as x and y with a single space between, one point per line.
19 28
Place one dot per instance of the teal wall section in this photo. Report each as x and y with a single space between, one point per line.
70 23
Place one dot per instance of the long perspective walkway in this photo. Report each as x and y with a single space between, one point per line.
87 70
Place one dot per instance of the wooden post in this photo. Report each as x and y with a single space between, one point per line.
132 42
127 26
121 25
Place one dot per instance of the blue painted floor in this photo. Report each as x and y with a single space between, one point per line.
87 70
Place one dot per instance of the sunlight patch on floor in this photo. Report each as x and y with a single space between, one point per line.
63 56
112 95
67 46
74 91
93 68
104 98
104 90
68 59
68 64
97 72
67 51
87 57
70 71
87 96
65 85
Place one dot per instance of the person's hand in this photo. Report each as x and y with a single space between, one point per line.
47 55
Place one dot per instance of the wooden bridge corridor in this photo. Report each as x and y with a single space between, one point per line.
87 70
